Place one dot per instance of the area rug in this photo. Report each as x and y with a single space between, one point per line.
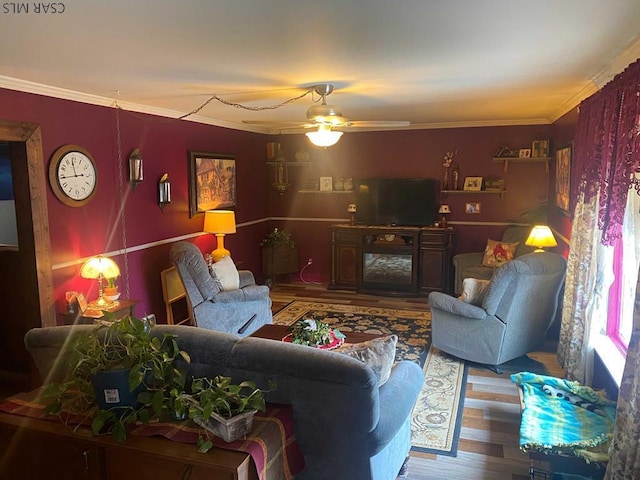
436 418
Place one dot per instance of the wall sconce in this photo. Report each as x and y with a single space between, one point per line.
164 191
281 174
541 236
136 173
351 209
444 210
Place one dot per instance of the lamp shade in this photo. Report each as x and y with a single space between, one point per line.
444 208
220 221
324 136
541 236
99 267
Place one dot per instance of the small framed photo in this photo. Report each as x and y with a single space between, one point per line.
82 302
540 148
524 153
472 208
326 184
472 184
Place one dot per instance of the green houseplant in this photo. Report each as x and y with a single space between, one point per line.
219 406
279 253
143 365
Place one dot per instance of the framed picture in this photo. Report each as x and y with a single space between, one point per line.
472 207
524 153
472 184
326 184
212 182
540 148
563 178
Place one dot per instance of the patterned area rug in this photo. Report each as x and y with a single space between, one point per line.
437 415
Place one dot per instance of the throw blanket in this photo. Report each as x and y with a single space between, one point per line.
561 416
271 443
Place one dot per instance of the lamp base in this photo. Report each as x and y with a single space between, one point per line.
219 253
100 303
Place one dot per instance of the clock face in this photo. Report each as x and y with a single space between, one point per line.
73 175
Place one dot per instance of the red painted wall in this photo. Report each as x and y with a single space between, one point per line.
80 232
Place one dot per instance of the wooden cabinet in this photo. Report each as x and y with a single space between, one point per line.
35 449
403 261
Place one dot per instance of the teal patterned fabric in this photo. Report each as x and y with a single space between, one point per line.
553 424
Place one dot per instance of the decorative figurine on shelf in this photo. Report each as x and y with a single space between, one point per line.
455 177
448 158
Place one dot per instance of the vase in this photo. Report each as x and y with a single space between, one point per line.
348 184
445 179
339 184
455 177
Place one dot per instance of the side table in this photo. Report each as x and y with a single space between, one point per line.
121 308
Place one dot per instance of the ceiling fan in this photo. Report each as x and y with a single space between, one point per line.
325 118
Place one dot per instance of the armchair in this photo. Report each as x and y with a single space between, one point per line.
519 307
239 312
469 265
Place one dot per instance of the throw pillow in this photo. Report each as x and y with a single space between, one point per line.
497 253
225 274
379 354
474 290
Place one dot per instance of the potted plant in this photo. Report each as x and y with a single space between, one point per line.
314 333
118 374
220 407
111 291
279 253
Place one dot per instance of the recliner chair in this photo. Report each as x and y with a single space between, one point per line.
239 312
518 309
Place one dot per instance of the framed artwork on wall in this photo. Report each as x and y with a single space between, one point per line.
563 178
212 182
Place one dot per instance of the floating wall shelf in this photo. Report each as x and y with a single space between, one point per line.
508 160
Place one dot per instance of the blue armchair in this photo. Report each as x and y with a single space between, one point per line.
239 312
514 316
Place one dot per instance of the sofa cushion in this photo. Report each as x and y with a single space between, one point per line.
474 290
379 354
225 274
497 253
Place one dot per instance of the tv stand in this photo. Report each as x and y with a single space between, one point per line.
391 260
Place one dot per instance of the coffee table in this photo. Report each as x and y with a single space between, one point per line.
277 332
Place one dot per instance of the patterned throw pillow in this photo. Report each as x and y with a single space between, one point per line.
497 253
474 290
379 354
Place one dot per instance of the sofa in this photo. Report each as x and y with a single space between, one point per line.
239 311
347 427
469 265
510 319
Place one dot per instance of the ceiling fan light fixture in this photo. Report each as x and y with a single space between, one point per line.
324 136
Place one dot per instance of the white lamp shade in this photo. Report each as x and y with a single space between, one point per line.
541 236
324 136
220 221
444 209
99 266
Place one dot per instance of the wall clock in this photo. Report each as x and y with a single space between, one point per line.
73 175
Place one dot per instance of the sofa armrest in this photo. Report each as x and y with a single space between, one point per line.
397 398
245 294
447 303
246 278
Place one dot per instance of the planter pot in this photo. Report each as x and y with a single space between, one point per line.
111 293
228 429
279 260
111 389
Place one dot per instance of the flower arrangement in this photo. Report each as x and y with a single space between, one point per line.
315 333
448 158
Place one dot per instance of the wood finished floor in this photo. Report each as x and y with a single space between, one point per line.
488 446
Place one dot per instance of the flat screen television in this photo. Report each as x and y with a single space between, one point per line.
396 201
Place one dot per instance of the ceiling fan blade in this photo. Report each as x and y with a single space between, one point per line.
273 123
377 123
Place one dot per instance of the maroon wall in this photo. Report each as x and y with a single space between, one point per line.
95 228
80 232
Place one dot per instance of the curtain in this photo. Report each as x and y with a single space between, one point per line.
585 296
624 454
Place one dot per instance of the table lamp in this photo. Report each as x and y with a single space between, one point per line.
444 210
351 209
99 268
541 236
220 223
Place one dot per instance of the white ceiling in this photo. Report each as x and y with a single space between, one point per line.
434 63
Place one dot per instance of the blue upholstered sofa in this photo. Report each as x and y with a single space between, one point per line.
346 426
